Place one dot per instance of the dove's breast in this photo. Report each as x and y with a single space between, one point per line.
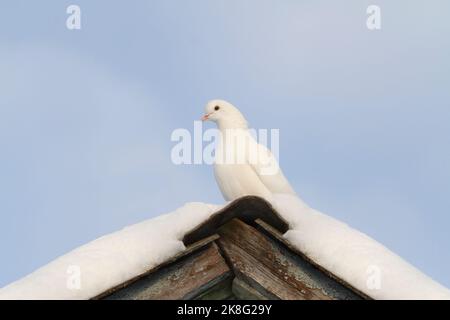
243 167
238 180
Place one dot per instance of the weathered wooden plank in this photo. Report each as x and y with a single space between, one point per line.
276 235
220 291
187 278
193 272
190 249
249 267
244 291
248 209
275 272
214 289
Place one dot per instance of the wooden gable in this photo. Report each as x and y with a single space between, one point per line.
238 253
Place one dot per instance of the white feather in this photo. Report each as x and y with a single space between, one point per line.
243 166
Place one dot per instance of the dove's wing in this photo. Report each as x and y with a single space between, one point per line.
267 169
238 180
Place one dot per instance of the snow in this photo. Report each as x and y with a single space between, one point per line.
113 259
353 256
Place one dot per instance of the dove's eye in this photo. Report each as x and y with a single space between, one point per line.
216 108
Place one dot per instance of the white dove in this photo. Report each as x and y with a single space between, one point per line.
242 166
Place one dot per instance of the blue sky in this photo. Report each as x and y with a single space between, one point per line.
86 116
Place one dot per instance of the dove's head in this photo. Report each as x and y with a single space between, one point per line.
224 114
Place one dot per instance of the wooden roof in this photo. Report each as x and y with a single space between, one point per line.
238 253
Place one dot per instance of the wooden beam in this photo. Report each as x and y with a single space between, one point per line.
274 234
220 291
247 209
187 278
268 267
201 261
243 291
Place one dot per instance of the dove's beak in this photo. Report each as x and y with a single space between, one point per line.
205 117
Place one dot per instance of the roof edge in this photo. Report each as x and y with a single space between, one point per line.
247 208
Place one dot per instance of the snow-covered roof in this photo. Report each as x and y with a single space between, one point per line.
111 260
